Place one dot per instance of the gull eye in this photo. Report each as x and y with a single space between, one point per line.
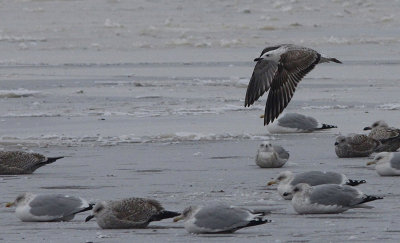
296 189
98 209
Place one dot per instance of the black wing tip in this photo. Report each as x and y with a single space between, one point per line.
163 215
370 198
258 221
355 182
327 126
335 60
53 159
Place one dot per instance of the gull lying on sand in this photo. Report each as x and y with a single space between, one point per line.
355 145
388 136
328 198
287 181
48 207
219 218
129 213
296 123
271 156
279 69
18 162
387 164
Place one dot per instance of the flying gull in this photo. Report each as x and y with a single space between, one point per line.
279 69
388 136
19 162
287 181
387 164
355 145
328 198
129 213
219 218
48 207
296 123
271 156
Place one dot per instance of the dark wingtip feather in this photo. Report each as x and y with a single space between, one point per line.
326 126
52 159
258 221
370 198
163 215
355 182
335 60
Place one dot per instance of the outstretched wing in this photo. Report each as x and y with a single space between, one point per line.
260 82
294 65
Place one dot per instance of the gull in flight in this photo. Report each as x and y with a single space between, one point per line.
279 69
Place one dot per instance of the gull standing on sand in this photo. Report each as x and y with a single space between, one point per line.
48 207
355 145
387 164
271 156
287 181
296 123
219 218
279 69
129 213
19 162
388 136
328 198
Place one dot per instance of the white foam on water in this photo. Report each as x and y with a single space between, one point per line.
390 106
18 93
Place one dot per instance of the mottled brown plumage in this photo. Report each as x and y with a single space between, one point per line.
355 145
388 136
279 69
19 162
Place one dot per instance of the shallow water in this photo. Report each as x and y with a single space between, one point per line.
146 99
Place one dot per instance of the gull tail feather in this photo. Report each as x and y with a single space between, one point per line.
163 215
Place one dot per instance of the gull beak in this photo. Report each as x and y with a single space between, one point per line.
262 116
177 218
10 204
367 128
271 183
89 218
257 59
336 143
371 163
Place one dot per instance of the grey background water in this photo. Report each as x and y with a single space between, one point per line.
146 99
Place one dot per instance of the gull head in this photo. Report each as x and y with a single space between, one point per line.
380 123
273 55
340 140
187 212
99 209
21 199
301 188
284 176
380 158
266 146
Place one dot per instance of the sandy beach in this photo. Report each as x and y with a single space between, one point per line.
146 99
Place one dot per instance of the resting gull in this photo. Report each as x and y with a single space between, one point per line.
19 162
271 156
387 164
388 136
287 180
129 213
296 123
279 69
48 207
219 218
328 198
355 145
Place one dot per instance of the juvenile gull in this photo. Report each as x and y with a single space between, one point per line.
129 213
279 69
387 164
18 162
355 145
388 136
296 123
219 218
271 156
48 207
287 180
328 198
